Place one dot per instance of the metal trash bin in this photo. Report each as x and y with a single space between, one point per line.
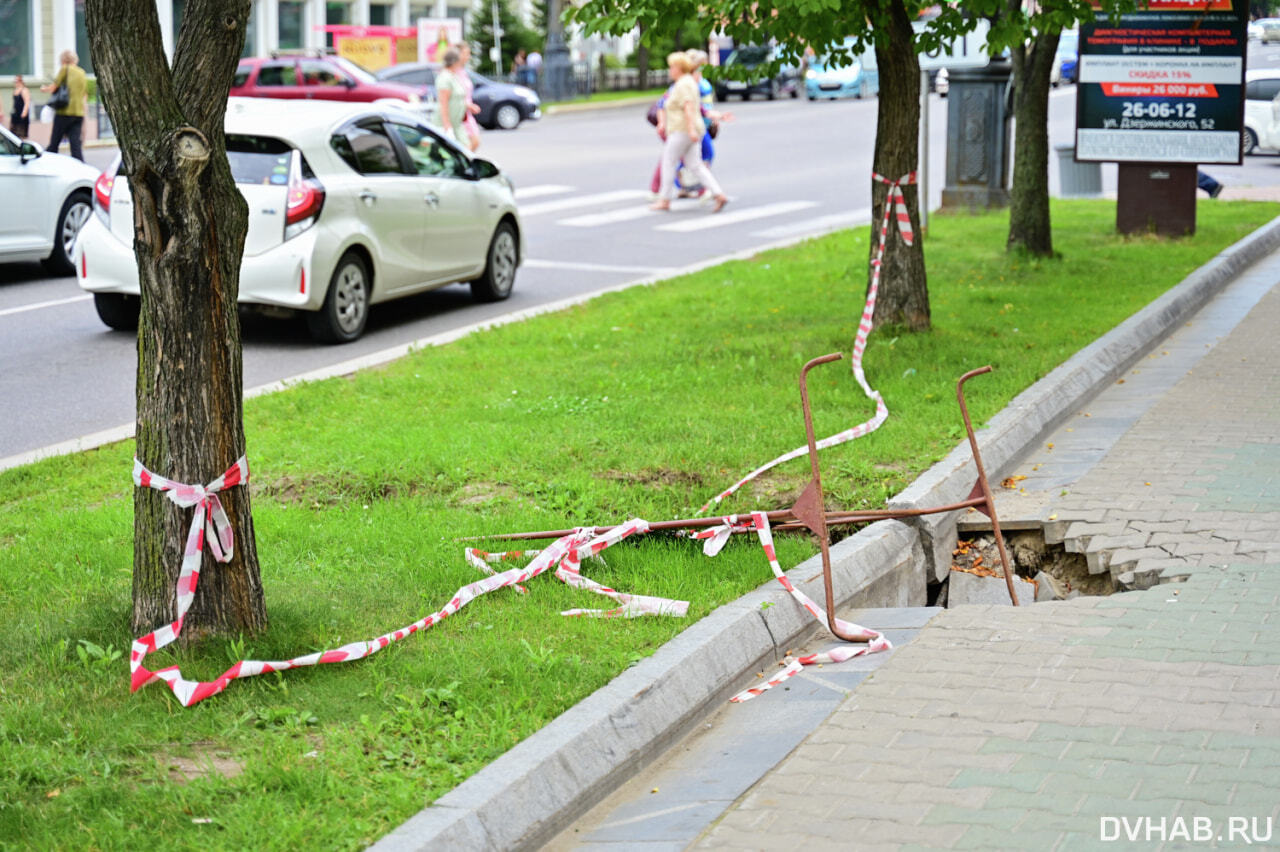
1078 180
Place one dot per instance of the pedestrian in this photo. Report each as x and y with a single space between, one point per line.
710 117
469 123
451 93
533 67
1208 184
681 123
518 66
20 113
68 120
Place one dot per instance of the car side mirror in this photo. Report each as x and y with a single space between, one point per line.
481 169
348 82
29 151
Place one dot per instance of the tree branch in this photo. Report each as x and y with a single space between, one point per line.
205 59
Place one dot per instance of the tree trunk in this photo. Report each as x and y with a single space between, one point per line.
903 298
642 58
189 230
1029 227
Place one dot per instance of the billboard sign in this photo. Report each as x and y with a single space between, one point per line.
435 35
1165 84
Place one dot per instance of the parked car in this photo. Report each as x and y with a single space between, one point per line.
858 77
47 200
1066 59
747 82
1270 30
328 78
349 205
502 105
1260 89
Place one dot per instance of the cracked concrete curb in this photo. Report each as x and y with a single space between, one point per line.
539 787
533 791
1044 406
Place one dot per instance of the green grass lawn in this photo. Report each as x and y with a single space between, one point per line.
644 402
606 97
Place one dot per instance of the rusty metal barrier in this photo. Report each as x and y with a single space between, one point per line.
809 511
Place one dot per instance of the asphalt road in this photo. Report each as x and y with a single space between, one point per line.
789 167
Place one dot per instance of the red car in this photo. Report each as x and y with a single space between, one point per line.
330 78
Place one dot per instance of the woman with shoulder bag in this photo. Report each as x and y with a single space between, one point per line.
68 120
682 122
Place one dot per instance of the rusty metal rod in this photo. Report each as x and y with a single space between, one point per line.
789 521
983 485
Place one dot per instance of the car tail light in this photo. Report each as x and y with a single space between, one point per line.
102 191
306 198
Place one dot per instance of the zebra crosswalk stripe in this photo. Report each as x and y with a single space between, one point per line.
706 221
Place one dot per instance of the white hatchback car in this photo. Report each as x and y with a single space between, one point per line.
1260 88
349 205
44 201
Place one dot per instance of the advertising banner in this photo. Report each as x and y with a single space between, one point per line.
1165 84
435 35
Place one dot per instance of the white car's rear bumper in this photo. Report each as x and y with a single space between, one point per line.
280 276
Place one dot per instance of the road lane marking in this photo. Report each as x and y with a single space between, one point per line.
524 193
719 220
817 225
35 306
583 201
597 267
592 220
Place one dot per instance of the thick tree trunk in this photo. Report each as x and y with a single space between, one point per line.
189 229
903 298
1029 227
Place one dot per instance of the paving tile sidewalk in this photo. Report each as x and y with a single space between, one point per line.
1149 719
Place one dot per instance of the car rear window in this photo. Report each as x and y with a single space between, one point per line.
259 160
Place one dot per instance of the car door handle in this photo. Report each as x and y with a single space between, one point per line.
368 197
432 199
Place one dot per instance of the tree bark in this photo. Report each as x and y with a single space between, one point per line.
1029 227
189 229
903 297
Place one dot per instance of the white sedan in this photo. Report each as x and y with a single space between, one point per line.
44 202
349 205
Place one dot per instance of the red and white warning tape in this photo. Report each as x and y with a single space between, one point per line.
875 641
565 554
896 203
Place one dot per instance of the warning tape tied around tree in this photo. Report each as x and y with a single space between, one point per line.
565 555
895 205
211 526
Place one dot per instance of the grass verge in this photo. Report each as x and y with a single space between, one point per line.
643 402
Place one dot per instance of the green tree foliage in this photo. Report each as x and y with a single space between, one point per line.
515 35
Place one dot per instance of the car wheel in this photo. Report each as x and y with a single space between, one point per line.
812 97
795 92
1248 141
75 212
500 266
507 116
117 310
346 306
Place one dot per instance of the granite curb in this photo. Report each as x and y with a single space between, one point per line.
526 796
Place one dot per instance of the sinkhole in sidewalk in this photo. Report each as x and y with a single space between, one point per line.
1042 571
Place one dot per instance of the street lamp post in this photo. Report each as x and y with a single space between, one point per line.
556 67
